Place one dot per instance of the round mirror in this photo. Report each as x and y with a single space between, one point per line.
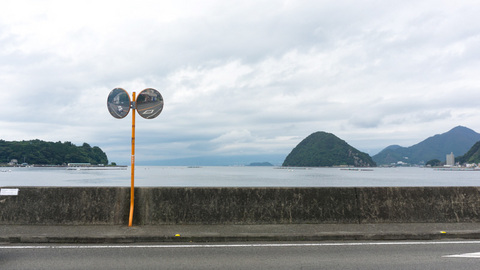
149 103
118 103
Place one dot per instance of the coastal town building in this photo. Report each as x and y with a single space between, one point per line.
450 159
13 162
79 164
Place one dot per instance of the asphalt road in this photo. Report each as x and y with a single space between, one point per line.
149 109
353 255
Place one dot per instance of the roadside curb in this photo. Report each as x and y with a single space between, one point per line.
237 238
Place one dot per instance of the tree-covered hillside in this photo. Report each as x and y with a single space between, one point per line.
325 149
50 153
472 156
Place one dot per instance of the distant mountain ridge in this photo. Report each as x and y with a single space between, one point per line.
322 149
458 140
235 160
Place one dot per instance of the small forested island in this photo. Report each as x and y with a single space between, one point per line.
260 164
49 153
322 149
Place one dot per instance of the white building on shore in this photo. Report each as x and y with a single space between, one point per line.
450 160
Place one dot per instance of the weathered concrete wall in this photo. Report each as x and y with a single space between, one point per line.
419 204
110 205
246 205
51 205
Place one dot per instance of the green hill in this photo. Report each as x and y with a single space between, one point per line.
472 156
50 153
325 149
457 140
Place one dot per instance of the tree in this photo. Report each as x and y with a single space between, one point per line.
434 163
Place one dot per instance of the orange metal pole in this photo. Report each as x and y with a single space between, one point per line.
132 187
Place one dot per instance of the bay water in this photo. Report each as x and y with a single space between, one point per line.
160 176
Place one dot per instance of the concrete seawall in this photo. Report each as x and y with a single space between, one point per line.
155 206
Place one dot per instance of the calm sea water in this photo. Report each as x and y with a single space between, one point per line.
157 176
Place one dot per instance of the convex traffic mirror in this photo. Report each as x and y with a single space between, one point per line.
118 103
149 103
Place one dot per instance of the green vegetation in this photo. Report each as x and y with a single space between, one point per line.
472 156
325 149
260 164
50 153
434 163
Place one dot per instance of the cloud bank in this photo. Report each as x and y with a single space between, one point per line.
238 77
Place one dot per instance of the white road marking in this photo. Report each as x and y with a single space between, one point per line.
148 112
86 246
466 255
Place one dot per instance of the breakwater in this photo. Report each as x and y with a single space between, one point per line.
183 205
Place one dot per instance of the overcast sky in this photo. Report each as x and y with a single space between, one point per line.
239 77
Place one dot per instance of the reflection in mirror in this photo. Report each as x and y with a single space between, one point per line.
118 103
149 103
